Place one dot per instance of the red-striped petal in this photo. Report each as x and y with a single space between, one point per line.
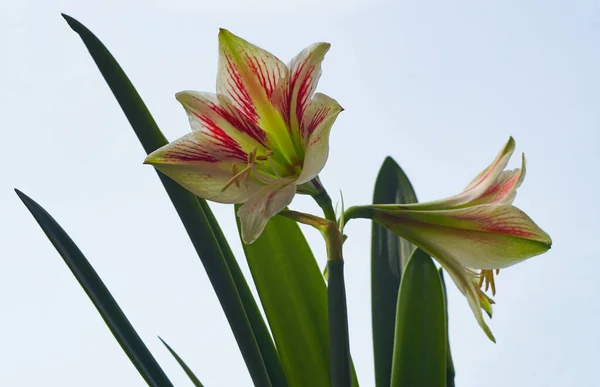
203 166
488 236
248 76
293 96
214 115
316 123
199 147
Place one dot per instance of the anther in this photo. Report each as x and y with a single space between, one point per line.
487 277
234 172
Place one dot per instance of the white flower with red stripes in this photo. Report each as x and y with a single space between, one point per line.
261 135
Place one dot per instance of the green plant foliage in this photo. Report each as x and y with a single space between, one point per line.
185 367
187 205
389 254
294 297
341 374
450 373
420 336
104 302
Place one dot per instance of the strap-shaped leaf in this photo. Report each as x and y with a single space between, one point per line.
104 302
259 327
389 254
187 205
294 297
420 336
184 366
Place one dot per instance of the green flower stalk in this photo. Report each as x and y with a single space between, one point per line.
470 234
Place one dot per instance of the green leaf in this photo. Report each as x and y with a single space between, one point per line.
106 305
294 297
259 327
420 336
389 254
185 367
341 373
188 206
450 373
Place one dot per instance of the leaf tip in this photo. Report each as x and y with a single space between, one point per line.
24 198
71 21
390 162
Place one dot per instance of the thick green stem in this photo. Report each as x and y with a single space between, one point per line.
316 189
339 346
356 212
339 343
324 201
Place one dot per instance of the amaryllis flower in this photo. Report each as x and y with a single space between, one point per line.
473 233
261 135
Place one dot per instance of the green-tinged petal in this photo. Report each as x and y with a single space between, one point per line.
261 206
188 162
317 122
294 94
465 281
476 188
491 236
248 76
496 167
504 189
216 117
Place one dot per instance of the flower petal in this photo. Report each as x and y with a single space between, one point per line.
464 281
248 76
476 188
316 123
491 236
202 164
504 189
293 95
209 113
495 168
264 204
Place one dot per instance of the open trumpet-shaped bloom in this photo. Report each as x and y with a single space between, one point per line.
473 233
261 135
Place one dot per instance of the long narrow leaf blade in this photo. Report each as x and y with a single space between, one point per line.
259 327
294 297
184 366
389 254
108 308
187 206
420 336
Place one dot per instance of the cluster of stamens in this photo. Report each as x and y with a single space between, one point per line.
487 277
252 164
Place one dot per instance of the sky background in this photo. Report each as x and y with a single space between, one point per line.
437 85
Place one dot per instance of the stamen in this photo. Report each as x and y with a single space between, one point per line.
234 172
252 160
487 277
235 179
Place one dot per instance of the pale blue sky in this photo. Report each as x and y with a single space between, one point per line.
437 85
